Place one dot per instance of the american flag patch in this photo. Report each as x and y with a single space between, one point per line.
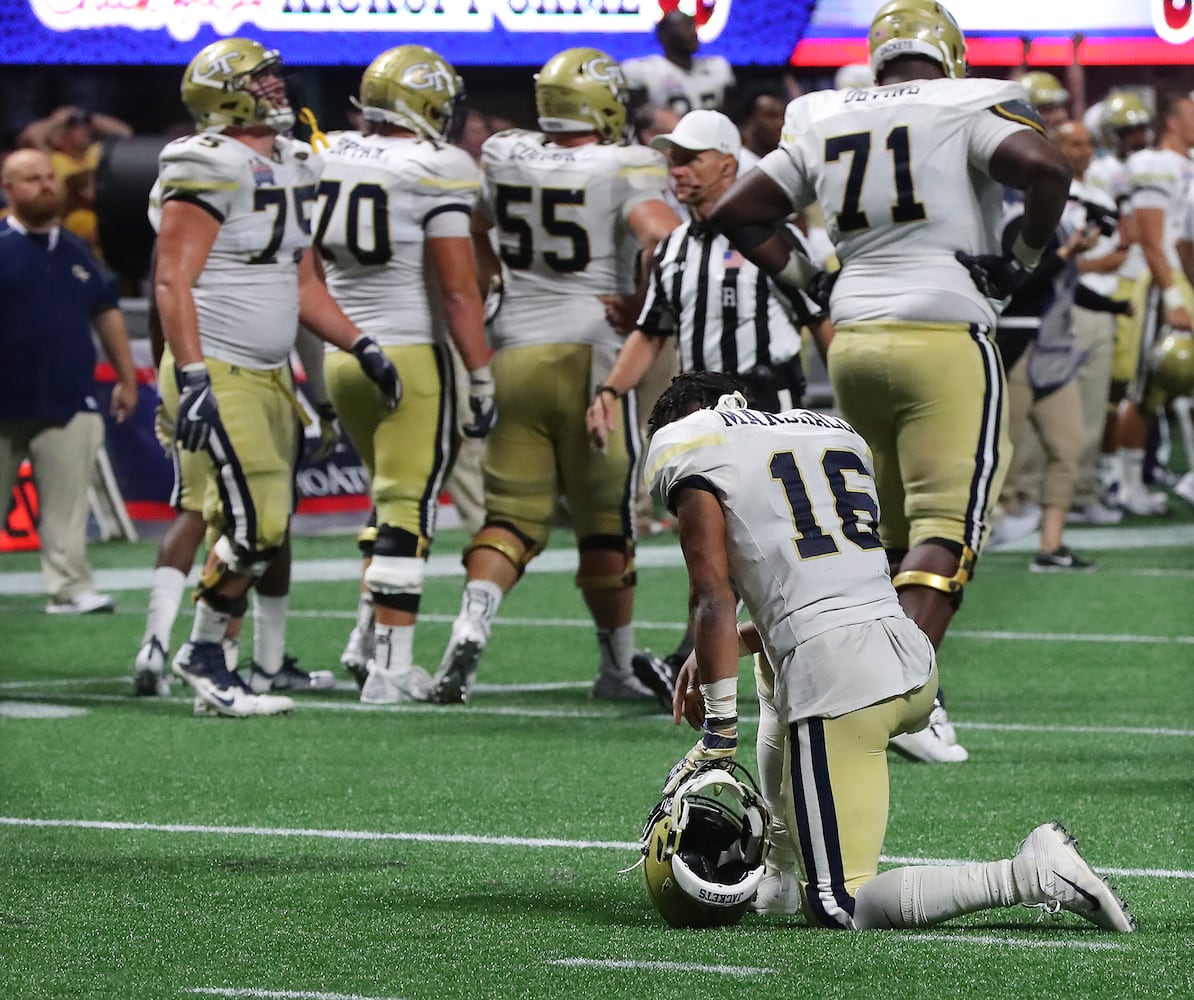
733 258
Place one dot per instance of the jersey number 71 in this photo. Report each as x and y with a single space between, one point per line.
858 145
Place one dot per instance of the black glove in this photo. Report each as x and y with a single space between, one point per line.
997 278
329 433
480 403
198 414
821 288
379 370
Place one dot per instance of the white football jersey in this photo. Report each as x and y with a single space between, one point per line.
1075 217
1110 175
1160 179
379 197
563 237
670 86
902 174
247 296
798 494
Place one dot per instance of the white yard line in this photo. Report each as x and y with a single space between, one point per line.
622 963
245 991
1004 942
1160 536
482 840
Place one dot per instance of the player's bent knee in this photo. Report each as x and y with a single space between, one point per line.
395 574
626 577
496 535
951 586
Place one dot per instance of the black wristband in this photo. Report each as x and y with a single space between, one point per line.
607 388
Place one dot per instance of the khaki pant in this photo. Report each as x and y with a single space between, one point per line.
63 460
1057 421
1094 332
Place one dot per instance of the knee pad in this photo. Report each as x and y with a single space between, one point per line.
395 574
949 585
493 536
612 581
367 536
230 561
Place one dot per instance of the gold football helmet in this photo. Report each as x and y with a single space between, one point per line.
917 28
582 90
1123 109
414 88
1044 89
217 87
1171 369
703 847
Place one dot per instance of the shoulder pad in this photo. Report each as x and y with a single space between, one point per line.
449 166
204 162
1021 112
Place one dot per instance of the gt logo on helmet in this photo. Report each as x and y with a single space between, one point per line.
605 70
218 69
426 76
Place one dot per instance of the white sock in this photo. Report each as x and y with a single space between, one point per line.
771 749
924 895
394 647
165 598
480 601
1132 461
617 647
210 624
365 611
269 631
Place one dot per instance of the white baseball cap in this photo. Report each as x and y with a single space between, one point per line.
700 130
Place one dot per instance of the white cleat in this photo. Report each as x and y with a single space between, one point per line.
358 651
779 892
1143 503
220 690
1184 488
454 679
394 687
150 677
1051 874
937 743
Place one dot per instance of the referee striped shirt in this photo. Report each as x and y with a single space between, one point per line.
727 315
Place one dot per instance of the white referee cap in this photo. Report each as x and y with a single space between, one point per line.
700 130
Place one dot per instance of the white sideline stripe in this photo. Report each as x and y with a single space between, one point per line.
991 939
514 711
622 963
460 838
244 991
1159 536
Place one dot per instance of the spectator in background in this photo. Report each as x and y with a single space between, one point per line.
679 79
759 116
53 290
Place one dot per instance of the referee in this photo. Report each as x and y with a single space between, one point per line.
727 316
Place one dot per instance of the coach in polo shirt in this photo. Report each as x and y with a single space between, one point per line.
726 315
53 290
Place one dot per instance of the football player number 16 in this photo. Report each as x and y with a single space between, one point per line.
811 538
858 146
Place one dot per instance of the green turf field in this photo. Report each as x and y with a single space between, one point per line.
474 852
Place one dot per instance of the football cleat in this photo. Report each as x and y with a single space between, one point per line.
779 892
290 678
610 686
358 651
1143 503
937 743
1095 512
220 690
454 679
150 678
394 687
655 674
1184 488
1050 873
